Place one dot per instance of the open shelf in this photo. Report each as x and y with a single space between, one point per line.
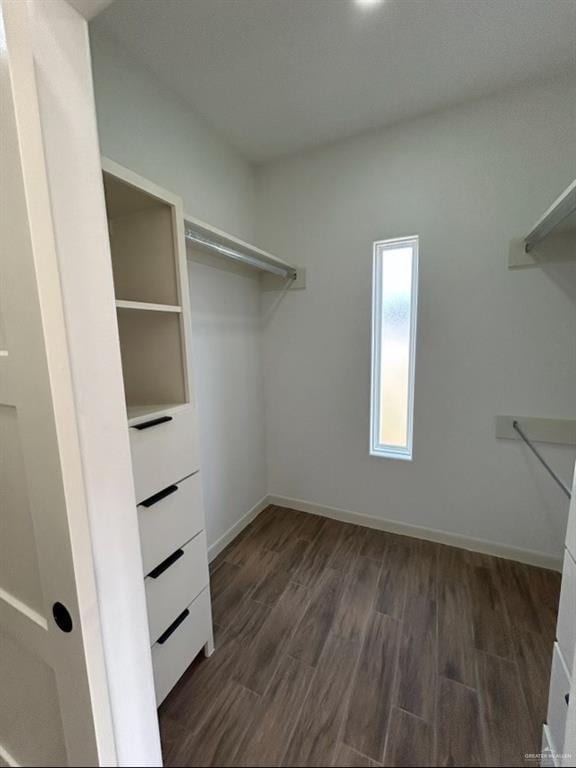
152 353
142 243
142 305
542 430
146 244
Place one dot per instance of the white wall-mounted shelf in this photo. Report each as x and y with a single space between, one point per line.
146 306
558 431
552 238
206 238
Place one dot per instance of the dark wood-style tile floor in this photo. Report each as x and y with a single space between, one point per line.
338 645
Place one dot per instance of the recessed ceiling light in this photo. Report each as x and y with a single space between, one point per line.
368 3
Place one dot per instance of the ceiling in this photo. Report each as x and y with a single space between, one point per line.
277 76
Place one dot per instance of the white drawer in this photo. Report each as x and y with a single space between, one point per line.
571 530
168 519
557 703
548 757
175 583
164 450
566 627
173 654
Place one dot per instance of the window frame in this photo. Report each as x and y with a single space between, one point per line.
379 247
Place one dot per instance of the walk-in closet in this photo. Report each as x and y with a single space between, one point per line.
288 383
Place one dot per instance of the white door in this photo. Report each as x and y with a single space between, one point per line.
54 706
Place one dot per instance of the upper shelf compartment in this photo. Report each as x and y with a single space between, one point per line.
553 237
142 243
151 293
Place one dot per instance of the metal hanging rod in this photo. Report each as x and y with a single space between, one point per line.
542 461
559 212
253 261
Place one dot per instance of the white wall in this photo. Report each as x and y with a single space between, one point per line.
153 132
490 341
229 376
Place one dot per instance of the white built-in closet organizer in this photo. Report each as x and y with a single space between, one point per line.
553 238
147 229
146 226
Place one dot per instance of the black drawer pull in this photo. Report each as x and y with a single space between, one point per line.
149 502
152 423
567 699
165 564
173 627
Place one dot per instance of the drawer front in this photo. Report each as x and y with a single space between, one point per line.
168 520
175 583
571 530
547 760
171 657
557 703
566 629
164 450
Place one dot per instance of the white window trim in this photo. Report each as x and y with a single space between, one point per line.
377 448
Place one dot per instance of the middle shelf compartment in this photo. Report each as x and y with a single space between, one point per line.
153 356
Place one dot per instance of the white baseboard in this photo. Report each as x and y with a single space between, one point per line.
234 530
540 559
528 556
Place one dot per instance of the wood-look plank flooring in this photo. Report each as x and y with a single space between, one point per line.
338 645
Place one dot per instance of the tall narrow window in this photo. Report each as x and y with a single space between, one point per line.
394 300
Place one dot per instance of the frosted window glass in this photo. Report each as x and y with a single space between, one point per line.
395 346
392 354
